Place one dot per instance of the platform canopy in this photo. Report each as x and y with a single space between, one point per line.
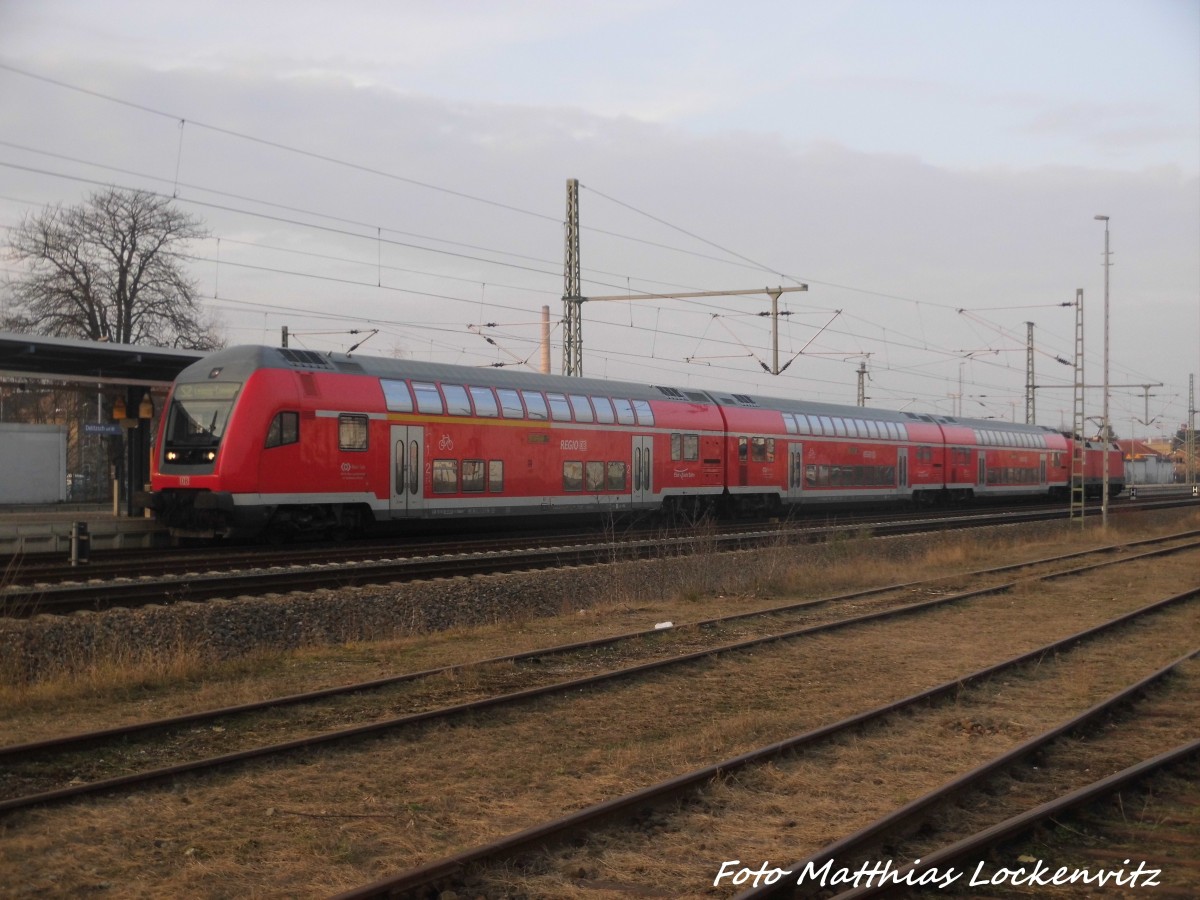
90 362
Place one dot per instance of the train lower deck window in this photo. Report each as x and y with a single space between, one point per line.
472 476
284 429
352 432
685 447
445 476
593 476
617 476
573 475
495 475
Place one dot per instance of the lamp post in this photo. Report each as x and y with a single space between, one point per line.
1107 430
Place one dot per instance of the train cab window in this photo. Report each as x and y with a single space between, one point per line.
472 476
617 476
581 408
536 404
510 403
593 476
457 403
573 475
604 410
485 402
445 476
284 429
645 415
624 411
495 476
428 398
352 432
560 410
397 395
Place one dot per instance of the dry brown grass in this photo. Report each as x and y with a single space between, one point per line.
334 818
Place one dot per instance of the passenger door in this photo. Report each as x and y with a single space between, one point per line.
643 469
408 470
795 470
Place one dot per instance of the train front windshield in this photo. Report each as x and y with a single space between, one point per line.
197 419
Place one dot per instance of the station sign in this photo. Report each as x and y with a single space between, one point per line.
101 428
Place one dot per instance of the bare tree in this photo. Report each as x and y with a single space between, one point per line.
109 269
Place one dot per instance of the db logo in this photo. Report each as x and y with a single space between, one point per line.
346 467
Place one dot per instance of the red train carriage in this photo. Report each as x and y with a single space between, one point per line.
259 438
264 439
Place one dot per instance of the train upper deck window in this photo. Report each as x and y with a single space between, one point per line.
581 408
397 395
560 410
536 404
352 432
789 423
485 402
645 415
457 403
428 398
624 411
604 410
510 403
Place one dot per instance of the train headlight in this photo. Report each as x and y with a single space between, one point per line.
212 454
172 456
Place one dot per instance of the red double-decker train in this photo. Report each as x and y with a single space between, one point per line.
265 439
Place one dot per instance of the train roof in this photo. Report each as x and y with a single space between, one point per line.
237 363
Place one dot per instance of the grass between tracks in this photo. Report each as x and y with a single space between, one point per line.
138 683
330 819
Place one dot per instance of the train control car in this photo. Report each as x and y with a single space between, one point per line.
272 440
1094 455
260 439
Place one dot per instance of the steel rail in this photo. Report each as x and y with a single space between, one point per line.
77 741
96 597
869 835
556 831
1019 824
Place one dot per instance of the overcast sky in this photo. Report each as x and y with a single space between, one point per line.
931 169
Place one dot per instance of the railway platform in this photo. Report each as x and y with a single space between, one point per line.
47 528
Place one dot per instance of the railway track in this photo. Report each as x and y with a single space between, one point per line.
610 659
676 662
38 587
870 849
